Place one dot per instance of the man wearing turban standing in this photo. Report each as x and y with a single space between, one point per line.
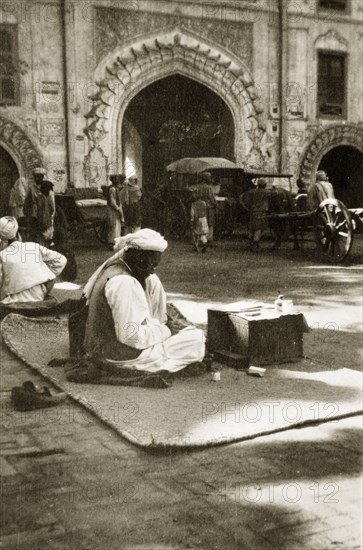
127 325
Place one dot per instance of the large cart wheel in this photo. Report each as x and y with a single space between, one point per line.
333 230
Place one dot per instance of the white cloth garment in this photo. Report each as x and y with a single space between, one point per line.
140 318
8 228
35 294
24 266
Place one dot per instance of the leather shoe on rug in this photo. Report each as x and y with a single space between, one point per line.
28 397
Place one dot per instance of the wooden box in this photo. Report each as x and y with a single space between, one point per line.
264 341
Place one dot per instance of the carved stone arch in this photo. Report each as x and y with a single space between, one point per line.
128 70
19 146
331 40
324 141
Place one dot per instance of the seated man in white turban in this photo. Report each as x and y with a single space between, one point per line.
127 326
27 270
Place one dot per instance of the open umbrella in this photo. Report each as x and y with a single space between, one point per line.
192 165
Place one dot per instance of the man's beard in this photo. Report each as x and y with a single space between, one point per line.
141 279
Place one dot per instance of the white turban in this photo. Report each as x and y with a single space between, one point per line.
144 239
8 228
39 170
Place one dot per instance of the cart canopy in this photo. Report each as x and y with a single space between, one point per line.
190 165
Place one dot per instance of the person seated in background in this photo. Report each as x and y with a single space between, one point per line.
256 202
27 269
127 327
320 190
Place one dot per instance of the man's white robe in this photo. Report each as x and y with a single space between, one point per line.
25 268
139 316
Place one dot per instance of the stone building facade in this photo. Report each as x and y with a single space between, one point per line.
78 77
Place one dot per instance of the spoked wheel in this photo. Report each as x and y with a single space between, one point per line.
333 230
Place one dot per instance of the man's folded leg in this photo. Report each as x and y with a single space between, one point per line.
178 351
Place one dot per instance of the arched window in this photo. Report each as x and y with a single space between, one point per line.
9 72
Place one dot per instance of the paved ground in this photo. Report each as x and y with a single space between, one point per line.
69 483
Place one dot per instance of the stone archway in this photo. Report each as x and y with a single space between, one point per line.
126 71
327 139
19 146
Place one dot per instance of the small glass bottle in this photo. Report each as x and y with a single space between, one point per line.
279 302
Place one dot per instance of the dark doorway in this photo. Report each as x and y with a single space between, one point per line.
344 166
8 176
173 118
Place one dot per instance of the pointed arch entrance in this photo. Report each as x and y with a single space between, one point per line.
126 71
172 118
18 157
338 150
344 166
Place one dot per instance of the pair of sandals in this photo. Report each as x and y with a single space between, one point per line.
29 397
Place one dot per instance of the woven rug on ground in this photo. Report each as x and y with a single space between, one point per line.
194 411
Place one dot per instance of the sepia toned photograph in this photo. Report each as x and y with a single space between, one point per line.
181 274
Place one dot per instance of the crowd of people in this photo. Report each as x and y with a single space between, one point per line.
128 335
29 264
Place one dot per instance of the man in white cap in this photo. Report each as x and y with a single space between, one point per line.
127 326
322 189
27 270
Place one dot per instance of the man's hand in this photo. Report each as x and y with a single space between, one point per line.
176 325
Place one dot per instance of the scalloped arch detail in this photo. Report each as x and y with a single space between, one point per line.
19 146
127 71
324 141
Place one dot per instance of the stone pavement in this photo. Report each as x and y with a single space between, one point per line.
70 483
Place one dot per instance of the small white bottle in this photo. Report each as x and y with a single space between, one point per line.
279 302
216 376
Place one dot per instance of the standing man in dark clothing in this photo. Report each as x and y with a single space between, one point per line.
255 201
280 202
